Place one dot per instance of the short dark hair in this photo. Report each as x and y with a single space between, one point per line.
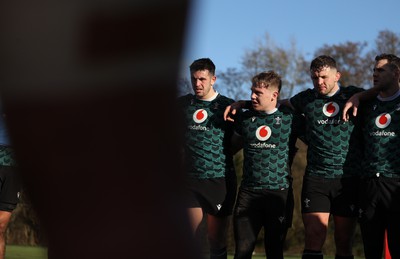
266 79
392 59
203 64
321 62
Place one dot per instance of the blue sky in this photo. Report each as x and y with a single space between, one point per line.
224 29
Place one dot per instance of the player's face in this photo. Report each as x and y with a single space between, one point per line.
263 99
384 76
325 80
202 84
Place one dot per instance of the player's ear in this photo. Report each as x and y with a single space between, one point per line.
213 79
338 75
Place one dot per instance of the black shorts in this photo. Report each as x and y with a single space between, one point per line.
379 195
10 187
266 205
337 196
257 209
215 196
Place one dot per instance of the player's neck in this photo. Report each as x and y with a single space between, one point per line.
210 96
389 94
271 108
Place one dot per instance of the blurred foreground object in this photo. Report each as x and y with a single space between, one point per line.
89 88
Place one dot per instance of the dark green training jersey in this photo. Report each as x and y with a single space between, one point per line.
207 148
266 141
381 130
7 156
333 145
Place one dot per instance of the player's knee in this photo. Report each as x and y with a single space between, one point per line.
3 227
316 231
3 224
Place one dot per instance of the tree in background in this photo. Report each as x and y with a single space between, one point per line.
289 63
238 82
353 62
387 42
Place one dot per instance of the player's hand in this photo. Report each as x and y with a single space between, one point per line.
353 102
231 110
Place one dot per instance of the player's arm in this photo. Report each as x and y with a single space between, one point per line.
298 132
286 102
231 110
355 99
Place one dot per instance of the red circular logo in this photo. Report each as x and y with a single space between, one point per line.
330 109
263 133
383 120
200 116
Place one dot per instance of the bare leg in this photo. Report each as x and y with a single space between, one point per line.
316 226
344 235
195 218
4 219
217 235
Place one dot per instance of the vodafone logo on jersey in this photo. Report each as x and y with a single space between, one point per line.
263 133
383 120
200 116
330 109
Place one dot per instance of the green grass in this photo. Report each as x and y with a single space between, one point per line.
25 252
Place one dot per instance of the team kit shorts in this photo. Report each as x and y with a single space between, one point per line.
264 206
10 187
379 194
337 196
216 196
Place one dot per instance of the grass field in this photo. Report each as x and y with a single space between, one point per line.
25 252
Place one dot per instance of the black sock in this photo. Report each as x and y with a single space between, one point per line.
311 254
218 253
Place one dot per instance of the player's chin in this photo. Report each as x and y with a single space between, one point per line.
199 94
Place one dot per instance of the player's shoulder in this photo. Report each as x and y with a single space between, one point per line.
301 99
224 99
285 109
346 92
351 89
307 93
289 113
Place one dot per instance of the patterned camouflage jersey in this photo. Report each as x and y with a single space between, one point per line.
333 145
207 148
267 138
382 136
